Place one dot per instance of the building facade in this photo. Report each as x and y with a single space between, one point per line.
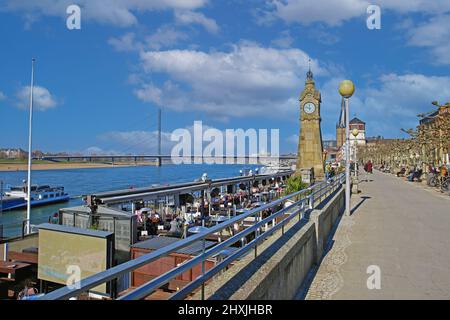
434 134
9 153
360 139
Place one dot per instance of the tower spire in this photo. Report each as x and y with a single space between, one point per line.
341 123
309 74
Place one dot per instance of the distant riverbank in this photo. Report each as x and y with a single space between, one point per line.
47 165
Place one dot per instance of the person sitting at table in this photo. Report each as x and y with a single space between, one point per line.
415 173
28 291
152 224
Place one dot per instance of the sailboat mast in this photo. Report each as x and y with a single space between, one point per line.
30 143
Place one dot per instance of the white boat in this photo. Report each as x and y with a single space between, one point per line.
16 197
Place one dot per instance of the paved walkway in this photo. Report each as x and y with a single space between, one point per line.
398 226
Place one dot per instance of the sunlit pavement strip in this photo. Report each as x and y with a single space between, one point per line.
401 228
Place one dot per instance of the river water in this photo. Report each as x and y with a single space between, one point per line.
78 182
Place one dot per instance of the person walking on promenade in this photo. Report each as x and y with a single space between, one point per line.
369 167
327 171
431 173
444 172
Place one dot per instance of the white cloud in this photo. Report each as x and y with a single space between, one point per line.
422 6
401 97
164 37
2 96
249 80
96 151
285 40
333 13
389 106
323 36
191 17
330 12
126 43
42 98
117 12
435 35
146 142
125 142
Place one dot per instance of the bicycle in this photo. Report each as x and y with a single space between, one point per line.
440 182
434 180
445 182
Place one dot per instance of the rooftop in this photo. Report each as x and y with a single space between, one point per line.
160 242
356 121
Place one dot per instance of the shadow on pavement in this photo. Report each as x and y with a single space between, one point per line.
363 199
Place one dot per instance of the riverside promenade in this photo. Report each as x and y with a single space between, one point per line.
399 226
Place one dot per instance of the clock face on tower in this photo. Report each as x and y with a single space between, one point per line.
309 107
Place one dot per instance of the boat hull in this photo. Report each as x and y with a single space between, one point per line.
11 204
14 204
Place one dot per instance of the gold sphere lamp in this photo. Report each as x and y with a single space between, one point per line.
346 88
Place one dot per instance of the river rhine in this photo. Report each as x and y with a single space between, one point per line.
78 182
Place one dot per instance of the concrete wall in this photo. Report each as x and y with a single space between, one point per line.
283 261
325 217
284 270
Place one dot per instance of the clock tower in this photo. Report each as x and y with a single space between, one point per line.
310 147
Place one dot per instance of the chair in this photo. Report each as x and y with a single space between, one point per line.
401 172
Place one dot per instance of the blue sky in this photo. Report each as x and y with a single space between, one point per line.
230 63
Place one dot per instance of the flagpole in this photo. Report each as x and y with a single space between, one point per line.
30 143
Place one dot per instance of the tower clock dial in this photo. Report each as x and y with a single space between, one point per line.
309 107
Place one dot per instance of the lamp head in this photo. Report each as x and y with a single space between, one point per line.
346 88
355 132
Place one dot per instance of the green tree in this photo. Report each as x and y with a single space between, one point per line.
294 184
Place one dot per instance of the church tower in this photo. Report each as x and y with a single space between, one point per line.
310 147
340 127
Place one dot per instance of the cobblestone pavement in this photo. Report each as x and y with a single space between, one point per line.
398 226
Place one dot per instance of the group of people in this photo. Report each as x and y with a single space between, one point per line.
149 219
330 172
414 173
442 172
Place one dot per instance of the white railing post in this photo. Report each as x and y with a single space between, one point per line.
311 201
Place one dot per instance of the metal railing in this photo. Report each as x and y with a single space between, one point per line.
15 230
304 200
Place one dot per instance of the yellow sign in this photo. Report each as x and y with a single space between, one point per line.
65 256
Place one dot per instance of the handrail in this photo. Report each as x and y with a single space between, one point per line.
118 196
115 272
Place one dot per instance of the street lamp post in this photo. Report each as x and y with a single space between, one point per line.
30 144
355 133
346 90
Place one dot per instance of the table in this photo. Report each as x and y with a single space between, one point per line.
24 257
11 268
